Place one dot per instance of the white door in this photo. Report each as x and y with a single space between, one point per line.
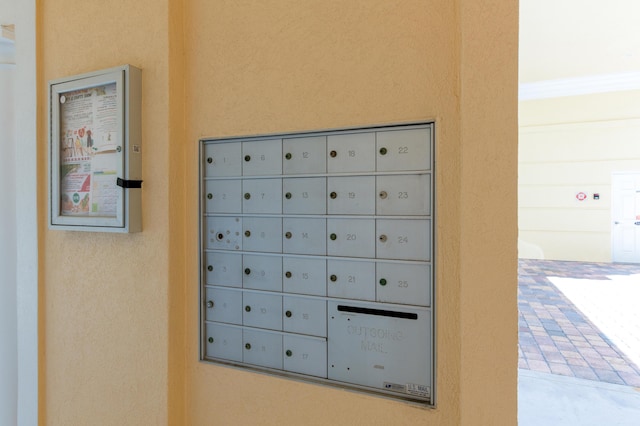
625 214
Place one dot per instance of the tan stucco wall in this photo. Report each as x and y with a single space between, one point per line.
120 327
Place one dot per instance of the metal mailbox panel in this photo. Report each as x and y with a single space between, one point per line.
403 283
262 234
223 269
351 153
224 342
304 155
262 348
262 157
348 279
223 305
222 159
304 236
262 196
383 347
403 239
223 233
351 195
399 150
304 315
403 195
351 237
304 196
262 272
305 355
223 196
262 310
304 276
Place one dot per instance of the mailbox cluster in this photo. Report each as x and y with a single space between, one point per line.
317 257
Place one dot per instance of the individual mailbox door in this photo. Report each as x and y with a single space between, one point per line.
351 195
262 310
262 272
348 279
304 315
262 348
223 305
304 155
223 269
399 150
262 157
405 283
262 196
305 355
223 196
379 346
304 236
353 152
262 234
223 341
304 196
403 195
403 239
304 276
222 159
351 237
223 233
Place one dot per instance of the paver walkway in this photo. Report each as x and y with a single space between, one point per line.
555 337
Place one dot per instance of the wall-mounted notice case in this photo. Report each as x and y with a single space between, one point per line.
95 151
317 257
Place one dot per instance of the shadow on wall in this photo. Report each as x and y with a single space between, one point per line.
527 250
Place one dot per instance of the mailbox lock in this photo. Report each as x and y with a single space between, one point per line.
247 158
210 196
220 236
287 156
210 339
383 194
383 281
333 154
247 271
247 346
288 314
287 274
333 278
288 235
209 160
383 238
209 268
247 196
289 353
247 233
383 151
333 195
287 195
247 308
333 237
210 304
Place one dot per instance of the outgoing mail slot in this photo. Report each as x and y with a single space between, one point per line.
223 233
223 269
304 315
353 152
223 196
403 239
222 159
304 276
403 195
406 283
351 237
262 157
306 355
304 196
262 234
262 272
399 150
350 279
304 155
223 305
304 236
262 196
223 341
381 346
262 310
262 348
351 195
